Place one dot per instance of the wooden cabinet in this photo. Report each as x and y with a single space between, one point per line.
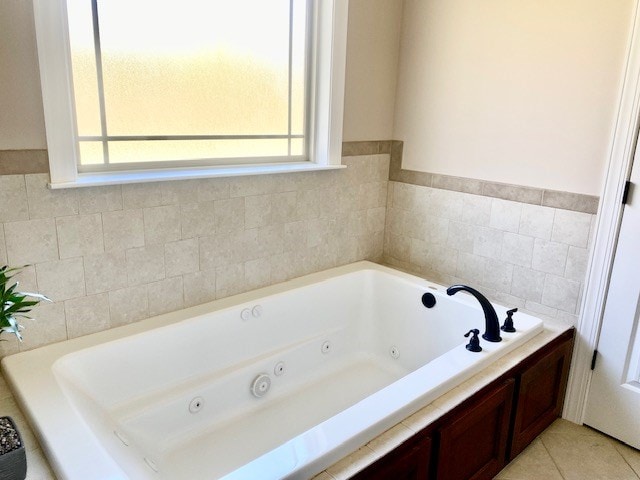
540 395
473 444
410 461
477 438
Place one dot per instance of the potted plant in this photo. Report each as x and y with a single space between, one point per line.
13 306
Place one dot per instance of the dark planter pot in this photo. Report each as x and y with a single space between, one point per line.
13 462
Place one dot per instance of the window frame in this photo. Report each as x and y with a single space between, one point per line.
326 104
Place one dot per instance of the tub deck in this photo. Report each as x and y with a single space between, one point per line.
133 421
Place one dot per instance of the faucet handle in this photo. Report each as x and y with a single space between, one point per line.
474 341
508 322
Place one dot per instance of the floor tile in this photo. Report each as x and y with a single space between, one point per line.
534 463
586 457
631 455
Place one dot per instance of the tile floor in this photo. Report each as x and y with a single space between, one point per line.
573 452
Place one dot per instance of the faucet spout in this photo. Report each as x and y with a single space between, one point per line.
492 325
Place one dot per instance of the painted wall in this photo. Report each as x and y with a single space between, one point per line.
516 92
372 57
372 63
21 115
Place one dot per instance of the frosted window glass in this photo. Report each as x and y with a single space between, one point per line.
297 146
170 150
298 68
166 72
91 153
83 61
195 67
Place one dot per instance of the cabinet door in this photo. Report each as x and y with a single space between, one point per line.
540 396
410 461
473 445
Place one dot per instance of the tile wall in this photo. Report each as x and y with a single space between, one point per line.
528 256
108 256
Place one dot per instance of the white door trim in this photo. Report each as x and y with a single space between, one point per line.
607 229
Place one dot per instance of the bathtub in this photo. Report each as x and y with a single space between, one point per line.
276 383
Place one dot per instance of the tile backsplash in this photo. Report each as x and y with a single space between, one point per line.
527 256
109 256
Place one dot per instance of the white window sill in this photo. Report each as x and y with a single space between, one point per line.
163 175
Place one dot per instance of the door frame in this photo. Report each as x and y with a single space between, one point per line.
618 170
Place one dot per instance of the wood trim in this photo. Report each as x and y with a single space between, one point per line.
623 147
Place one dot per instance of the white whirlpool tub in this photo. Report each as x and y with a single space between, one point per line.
348 352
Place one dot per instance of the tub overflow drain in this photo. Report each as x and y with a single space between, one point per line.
394 352
325 347
261 385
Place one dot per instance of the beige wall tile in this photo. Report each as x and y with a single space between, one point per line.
538 309
13 198
181 257
165 296
48 325
80 235
517 249
419 252
577 259
26 278
128 305
283 207
270 241
3 246
295 236
498 275
62 279
199 287
162 225
461 236
257 273
141 195
447 204
253 185
31 241
179 192
100 199
571 228
229 214
488 242
476 210
210 189
145 265
257 211
123 229
549 257
470 267
197 219
505 215
230 280
105 272
46 203
560 293
87 315
527 284
536 221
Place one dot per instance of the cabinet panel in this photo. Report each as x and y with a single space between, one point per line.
473 444
540 396
410 461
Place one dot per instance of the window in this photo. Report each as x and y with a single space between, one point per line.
141 90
